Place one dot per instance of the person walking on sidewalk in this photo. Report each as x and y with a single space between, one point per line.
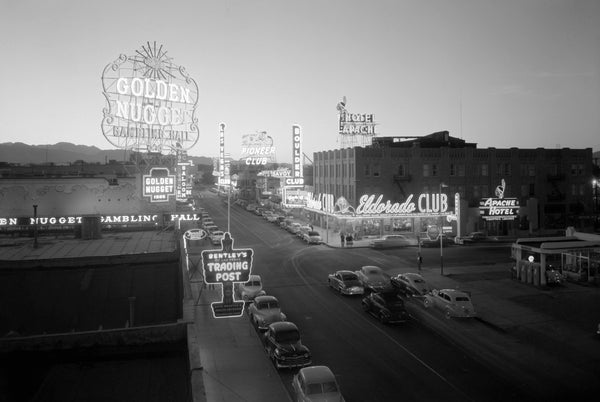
419 261
342 238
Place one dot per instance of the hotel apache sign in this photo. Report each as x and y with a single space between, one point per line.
499 208
354 123
159 185
374 206
150 102
225 267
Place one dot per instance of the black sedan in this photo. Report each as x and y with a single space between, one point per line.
388 307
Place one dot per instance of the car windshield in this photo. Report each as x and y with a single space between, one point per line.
418 280
313 233
268 305
287 336
462 299
373 272
349 277
253 283
321 388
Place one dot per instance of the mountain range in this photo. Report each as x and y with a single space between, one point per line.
65 153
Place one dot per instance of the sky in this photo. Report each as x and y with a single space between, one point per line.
510 73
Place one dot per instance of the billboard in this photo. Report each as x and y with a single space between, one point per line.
159 185
258 149
150 102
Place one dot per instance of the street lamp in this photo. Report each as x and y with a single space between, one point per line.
442 185
595 183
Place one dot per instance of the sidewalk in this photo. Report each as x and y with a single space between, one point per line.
232 358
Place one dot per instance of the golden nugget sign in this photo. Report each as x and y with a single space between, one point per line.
150 102
159 185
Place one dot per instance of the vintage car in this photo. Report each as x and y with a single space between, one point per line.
387 307
473 237
265 310
312 237
390 241
216 236
284 346
345 282
247 291
452 302
425 241
411 284
302 230
373 279
316 383
293 227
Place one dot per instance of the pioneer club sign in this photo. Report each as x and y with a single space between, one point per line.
150 102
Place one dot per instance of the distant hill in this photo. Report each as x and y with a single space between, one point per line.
65 152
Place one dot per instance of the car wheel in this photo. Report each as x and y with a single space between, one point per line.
427 303
448 315
382 318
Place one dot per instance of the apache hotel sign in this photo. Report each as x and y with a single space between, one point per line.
150 102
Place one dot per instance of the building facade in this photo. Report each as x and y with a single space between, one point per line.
553 186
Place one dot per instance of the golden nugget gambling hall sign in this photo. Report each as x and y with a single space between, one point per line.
150 102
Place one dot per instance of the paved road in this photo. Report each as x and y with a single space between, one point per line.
373 362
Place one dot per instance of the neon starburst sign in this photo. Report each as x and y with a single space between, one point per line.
151 102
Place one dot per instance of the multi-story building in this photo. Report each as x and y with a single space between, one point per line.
553 186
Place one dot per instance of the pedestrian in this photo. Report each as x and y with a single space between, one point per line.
419 261
342 238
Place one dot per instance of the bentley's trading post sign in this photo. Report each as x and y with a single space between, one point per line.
225 267
150 102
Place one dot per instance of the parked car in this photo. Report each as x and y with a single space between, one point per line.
473 237
390 241
284 346
216 236
453 303
250 207
293 227
345 282
265 310
427 242
411 284
316 383
249 290
272 218
373 279
210 228
387 307
312 237
302 230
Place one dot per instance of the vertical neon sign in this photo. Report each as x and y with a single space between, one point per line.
221 152
297 172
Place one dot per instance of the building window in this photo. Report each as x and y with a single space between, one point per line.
531 189
581 189
461 170
376 170
485 191
484 169
367 169
580 170
426 172
434 170
524 190
351 167
452 170
401 170
531 170
476 191
573 189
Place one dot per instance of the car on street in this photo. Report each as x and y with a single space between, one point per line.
387 307
312 237
316 383
265 310
247 291
452 302
210 228
284 346
472 237
411 284
390 241
216 236
374 279
302 230
273 218
293 227
427 242
345 282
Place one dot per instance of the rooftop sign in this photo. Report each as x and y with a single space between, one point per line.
258 149
225 267
159 185
150 102
499 208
